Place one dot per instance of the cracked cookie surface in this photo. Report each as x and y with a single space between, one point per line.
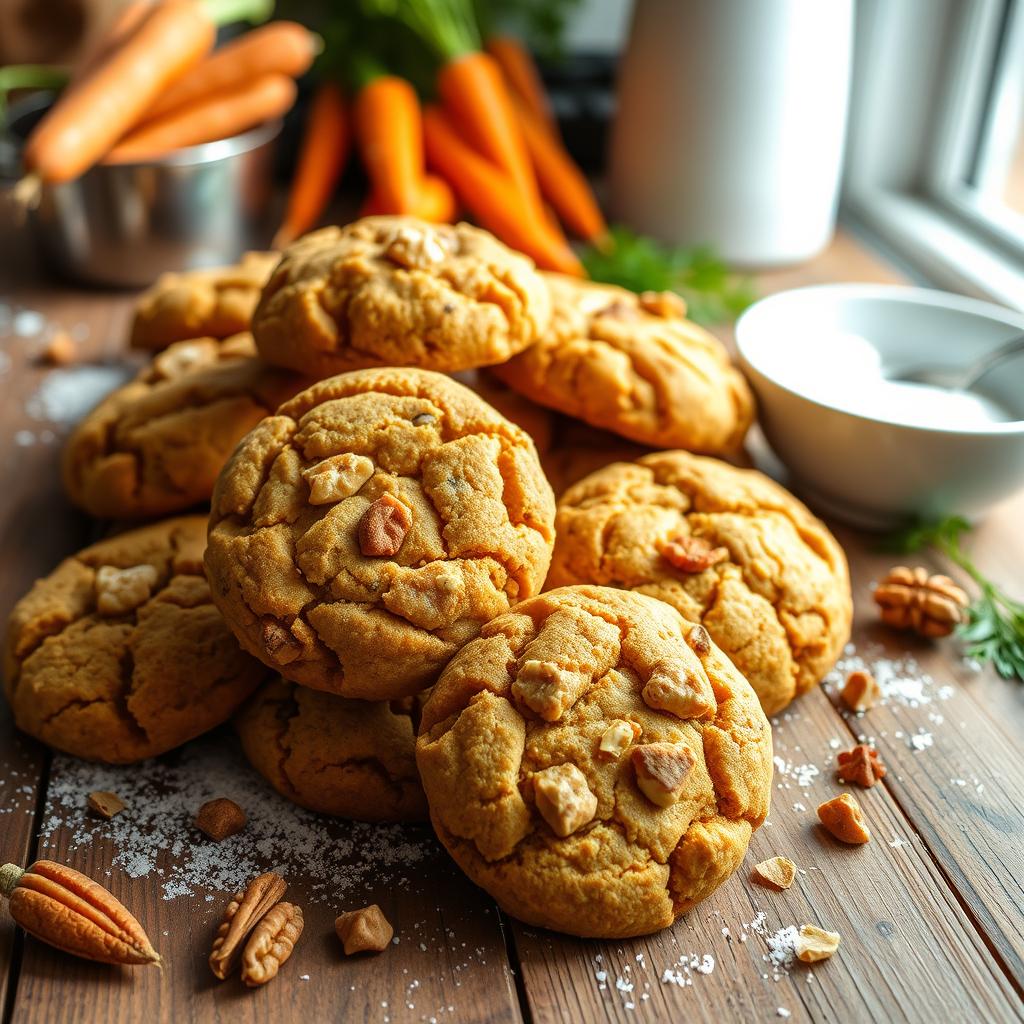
156 445
594 762
635 366
363 534
396 291
119 654
776 597
348 758
214 302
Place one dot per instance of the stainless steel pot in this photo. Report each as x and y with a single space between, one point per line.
125 224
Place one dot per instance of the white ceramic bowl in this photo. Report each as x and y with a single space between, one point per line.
840 434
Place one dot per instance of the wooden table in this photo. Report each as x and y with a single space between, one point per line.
930 911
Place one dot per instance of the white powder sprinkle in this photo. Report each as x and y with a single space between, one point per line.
782 1012
782 946
921 740
68 393
802 774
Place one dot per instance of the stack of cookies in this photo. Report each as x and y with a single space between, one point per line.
388 601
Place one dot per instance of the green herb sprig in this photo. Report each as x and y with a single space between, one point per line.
994 630
713 294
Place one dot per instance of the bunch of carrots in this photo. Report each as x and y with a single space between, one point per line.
154 84
489 143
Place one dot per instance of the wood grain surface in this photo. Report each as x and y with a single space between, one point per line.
931 912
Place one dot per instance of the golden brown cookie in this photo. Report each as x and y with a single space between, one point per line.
367 531
727 547
537 421
634 365
595 762
396 291
156 445
213 302
119 654
349 758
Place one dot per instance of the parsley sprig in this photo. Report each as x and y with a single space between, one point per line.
994 630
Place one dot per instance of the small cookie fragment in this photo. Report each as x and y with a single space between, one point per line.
860 765
220 819
814 944
691 554
661 771
383 527
119 591
774 873
843 817
617 739
563 798
366 930
861 691
59 351
106 805
337 477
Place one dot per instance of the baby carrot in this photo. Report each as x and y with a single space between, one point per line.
522 75
435 202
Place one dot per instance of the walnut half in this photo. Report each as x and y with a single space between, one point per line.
662 770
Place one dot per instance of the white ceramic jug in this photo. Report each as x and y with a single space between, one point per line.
730 124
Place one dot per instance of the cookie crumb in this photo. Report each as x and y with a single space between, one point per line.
366 930
59 351
774 873
106 805
843 817
220 819
860 765
814 944
861 691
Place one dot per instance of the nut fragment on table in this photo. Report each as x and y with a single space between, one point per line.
244 911
365 930
929 604
814 944
271 944
860 765
106 805
220 819
563 798
843 817
662 770
383 527
119 591
775 873
861 691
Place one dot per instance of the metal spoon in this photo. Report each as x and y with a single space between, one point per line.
961 378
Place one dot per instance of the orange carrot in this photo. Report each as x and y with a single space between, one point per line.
562 183
322 156
521 73
388 126
435 202
282 47
216 117
474 94
493 198
121 26
82 126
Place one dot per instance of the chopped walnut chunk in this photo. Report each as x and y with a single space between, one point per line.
775 873
860 765
664 304
545 688
662 770
814 944
843 817
365 930
699 640
691 554
617 739
563 798
279 644
674 687
415 248
383 527
860 692
119 591
337 478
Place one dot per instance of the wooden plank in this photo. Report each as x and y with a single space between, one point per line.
904 933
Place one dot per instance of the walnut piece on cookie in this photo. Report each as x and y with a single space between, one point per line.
635 366
337 477
397 291
778 603
369 596
212 302
156 445
347 758
119 654
614 817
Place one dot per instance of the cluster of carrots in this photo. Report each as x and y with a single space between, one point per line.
154 84
489 144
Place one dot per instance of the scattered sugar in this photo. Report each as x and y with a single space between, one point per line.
921 740
802 774
27 323
901 680
154 834
66 394
782 1012
782 947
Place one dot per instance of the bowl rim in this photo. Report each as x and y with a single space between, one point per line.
885 292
